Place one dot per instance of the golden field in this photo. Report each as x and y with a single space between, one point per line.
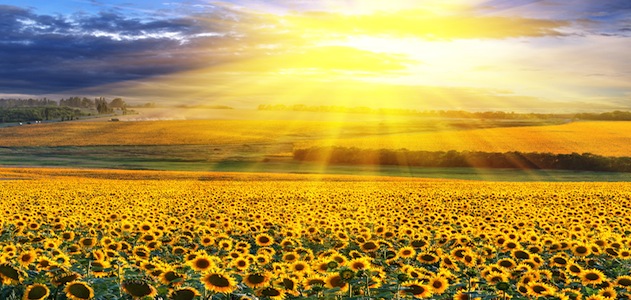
601 138
81 234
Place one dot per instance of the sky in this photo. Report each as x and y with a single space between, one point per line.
511 55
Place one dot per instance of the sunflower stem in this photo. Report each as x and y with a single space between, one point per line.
350 290
120 281
367 288
89 267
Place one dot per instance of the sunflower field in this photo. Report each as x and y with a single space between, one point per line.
162 235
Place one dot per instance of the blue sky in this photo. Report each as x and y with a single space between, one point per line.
476 54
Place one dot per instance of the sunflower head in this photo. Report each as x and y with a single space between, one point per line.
257 279
219 282
271 293
187 293
138 288
416 289
64 278
36 291
9 274
78 290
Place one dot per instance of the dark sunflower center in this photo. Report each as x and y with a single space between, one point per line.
437 284
9 272
316 282
79 291
624 282
538 289
270 292
289 284
506 264
170 276
264 240
337 281
37 292
183 295
202 263
581 250
560 260
218 280
138 289
256 278
416 289
370 246
427 257
592 276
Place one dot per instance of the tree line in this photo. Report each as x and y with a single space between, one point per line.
496 115
464 159
27 110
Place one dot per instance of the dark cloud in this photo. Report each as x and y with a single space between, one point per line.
51 54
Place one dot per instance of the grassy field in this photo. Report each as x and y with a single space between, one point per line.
115 234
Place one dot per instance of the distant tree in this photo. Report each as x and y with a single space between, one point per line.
117 103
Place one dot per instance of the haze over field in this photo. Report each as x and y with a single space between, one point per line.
519 55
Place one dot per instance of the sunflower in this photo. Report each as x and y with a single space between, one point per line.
9 274
596 297
271 293
138 289
26 258
592 277
520 254
320 266
558 260
438 284
171 277
64 278
187 293
78 290
609 292
219 282
427 258
264 240
145 227
299 267
581 250
416 289
241 263
207 241
540 289
624 281
225 244
335 280
406 252
496 277
257 279
290 257
179 250
289 284
36 291
87 242
313 281
45 263
99 267
360 263
625 254
369 246
141 252
507 263
574 269
201 263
